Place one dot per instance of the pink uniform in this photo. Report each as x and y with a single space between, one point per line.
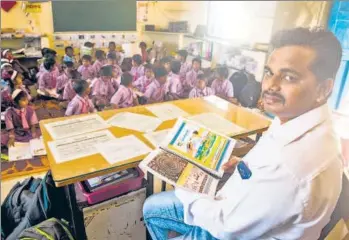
137 72
87 72
97 65
79 105
42 69
123 98
175 85
117 71
69 93
142 83
62 80
116 82
24 89
224 88
156 92
103 90
47 80
185 67
191 79
197 92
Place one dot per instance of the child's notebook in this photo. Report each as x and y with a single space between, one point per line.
191 157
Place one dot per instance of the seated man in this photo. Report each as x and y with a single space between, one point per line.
296 165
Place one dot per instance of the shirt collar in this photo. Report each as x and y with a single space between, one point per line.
295 128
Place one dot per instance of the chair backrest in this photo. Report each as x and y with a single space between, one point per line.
341 210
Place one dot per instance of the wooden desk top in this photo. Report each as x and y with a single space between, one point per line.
95 165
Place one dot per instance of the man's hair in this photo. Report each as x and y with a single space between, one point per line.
159 71
80 86
175 66
67 48
323 42
137 59
198 60
126 79
99 54
87 58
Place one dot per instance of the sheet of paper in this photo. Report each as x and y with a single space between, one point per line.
217 123
76 126
37 147
138 122
167 111
123 148
157 138
19 152
78 146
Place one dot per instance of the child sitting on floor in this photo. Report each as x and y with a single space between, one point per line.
124 97
81 103
175 88
69 93
222 87
201 89
185 66
166 62
102 88
21 121
100 61
156 91
137 69
17 83
63 79
112 61
143 82
86 70
69 55
191 77
48 78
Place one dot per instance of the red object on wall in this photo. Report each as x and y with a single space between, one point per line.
7 5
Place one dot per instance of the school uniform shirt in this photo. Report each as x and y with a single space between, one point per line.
97 65
185 67
294 187
20 120
116 82
79 105
156 92
224 88
103 89
124 97
87 72
175 85
142 83
67 58
197 92
55 70
62 80
342 118
190 79
69 92
137 72
47 80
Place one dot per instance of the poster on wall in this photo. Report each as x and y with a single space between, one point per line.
32 7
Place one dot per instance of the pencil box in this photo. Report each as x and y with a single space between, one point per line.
110 191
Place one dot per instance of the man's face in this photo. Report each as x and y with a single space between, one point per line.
289 87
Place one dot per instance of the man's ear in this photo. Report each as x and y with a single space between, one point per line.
325 90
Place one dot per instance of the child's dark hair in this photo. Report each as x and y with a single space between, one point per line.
148 66
68 64
111 56
166 59
159 71
202 76
87 58
75 74
106 71
183 53
80 86
45 51
112 43
21 95
198 60
49 62
126 79
67 48
175 66
137 59
142 44
88 44
223 71
99 54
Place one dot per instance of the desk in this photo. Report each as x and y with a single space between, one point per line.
68 173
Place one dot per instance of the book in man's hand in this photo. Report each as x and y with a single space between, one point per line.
191 157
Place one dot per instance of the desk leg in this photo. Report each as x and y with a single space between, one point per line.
258 136
77 218
163 186
150 185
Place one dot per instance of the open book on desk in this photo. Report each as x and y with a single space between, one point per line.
192 157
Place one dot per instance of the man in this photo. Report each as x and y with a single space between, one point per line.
296 165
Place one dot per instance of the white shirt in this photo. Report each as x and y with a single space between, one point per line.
295 184
342 118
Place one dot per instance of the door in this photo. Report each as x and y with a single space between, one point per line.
339 25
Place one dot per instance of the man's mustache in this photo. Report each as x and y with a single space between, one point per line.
274 94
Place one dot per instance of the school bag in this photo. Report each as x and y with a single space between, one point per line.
50 229
29 203
239 80
250 93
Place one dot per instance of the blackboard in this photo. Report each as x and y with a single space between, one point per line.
94 15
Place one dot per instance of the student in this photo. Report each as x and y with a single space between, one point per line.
69 93
63 79
100 61
175 88
201 89
191 76
48 77
166 62
21 121
86 70
7 57
222 87
17 83
143 47
7 75
143 82
185 66
124 97
112 61
69 55
102 88
112 47
137 69
156 91
81 103
87 49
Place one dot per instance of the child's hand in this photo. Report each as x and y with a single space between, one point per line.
231 164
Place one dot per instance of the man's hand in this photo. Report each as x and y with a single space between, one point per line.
231 164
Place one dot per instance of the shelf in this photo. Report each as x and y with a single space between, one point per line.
168 33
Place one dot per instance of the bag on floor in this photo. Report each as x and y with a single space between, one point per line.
29 203
51 229
250 93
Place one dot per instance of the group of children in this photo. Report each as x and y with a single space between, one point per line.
87 86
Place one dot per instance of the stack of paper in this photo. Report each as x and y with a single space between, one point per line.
167 111
37 147
158 137
20 151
